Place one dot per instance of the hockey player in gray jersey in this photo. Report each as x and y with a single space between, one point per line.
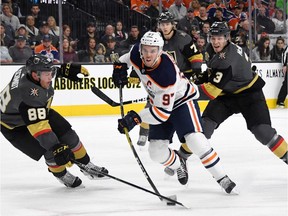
233 87
31 126
173 109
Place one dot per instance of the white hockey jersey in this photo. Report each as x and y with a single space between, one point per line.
166 86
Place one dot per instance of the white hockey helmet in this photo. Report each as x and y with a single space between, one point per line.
152 39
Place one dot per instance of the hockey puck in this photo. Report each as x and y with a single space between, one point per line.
171 203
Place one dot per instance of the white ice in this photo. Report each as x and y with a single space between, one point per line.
28 189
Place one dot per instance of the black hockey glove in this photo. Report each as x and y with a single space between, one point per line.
71 71
62 155
202 77
120 76
129 121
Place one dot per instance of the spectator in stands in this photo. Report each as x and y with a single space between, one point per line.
6 40
187 3
279 22
153 12
15 7
280 4
264 23
4 54
201 44
112 51
22 31
32 30
109 31
278 49
134 37
20 52
241 40
244 29
35 12
140 5
166 4
119 33
185 24
46 48
100 53
202 17
90 33
218 17
195 33
69 54
44 30
88 55
8 17
67 34
54 29
205 31
272 8
283 90
262 50
211 8
196 7
178 10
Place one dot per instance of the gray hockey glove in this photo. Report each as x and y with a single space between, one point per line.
129 121
71 71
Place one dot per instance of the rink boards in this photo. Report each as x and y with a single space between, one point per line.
76 99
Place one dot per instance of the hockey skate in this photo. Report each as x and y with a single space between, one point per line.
93 172
182 172
280 105
142 140
228 185
69 180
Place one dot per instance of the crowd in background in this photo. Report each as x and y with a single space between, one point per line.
21 36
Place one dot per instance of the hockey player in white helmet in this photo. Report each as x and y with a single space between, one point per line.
185 53
173 109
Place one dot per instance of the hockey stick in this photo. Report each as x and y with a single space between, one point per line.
96 172
135 153
112 103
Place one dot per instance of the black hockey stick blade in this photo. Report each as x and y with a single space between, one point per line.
104 97
93 172
109 101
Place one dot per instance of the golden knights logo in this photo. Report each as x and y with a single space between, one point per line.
222 55
34 92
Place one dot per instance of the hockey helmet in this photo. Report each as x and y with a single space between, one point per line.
152 39
166 17
219 28
39 63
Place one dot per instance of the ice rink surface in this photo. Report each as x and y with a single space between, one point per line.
28 189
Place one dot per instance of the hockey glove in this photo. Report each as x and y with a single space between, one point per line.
71 71
62 155
119 75
202 77
134 79
129 121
